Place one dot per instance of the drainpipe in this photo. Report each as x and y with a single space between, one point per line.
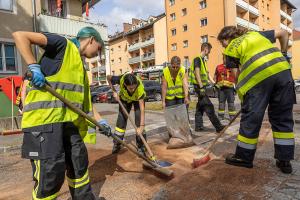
34 27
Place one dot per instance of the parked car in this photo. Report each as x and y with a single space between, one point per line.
103 97
153 90
297 86
97 91
110 98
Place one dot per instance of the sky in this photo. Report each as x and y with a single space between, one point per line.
114 12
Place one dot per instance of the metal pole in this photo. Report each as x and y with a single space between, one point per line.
34 27
12 104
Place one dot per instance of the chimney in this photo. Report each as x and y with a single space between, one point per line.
135 21
127 27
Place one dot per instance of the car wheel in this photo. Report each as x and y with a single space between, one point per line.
157 97
297 89
94 99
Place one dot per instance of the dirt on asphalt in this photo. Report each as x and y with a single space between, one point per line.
122 177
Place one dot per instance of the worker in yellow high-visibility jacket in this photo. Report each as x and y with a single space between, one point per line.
265 80
54 135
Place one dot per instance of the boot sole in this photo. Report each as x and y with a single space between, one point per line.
239 164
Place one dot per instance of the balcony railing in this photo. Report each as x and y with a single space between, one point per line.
285 27
66 27
244 5
148 56
285 15
134 60
134 47
147 42
246 24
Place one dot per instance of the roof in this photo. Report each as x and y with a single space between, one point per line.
91 4
296 34
147 25
289 3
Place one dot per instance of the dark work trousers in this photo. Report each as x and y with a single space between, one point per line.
278 94
204 105
226 94
53 153
122 121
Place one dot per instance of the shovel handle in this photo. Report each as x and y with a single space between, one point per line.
222 132
135 127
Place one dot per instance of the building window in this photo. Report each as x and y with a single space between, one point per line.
6 5
121 71
203 4
120 59
203 22
113 72
204 38
268 19
8 58
263 17
112 50
172 2
185 28
268 6
173 16
119 47
112 61
54 11
173 32
174 47
184 11
185 43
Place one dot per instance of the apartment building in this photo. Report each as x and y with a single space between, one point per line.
42 16
141 44
190 23
296 58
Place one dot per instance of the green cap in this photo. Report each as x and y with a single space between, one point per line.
90 32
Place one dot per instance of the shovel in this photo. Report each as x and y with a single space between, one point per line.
152 157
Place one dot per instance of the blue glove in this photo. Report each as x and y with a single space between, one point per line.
38 78
105 128
287 56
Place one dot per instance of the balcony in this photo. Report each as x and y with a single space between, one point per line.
253 10
242 4
148 56
285 15
134 60
284 27
246 24
147 42
134 47
98 69
66 27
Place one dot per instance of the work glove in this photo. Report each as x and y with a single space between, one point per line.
287 57
105 128
202 92
38 78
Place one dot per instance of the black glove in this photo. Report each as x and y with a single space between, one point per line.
202 92
287 57
105 128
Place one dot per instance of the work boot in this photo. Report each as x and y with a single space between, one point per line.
201 129
232 159
284 166
140 145
117 146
